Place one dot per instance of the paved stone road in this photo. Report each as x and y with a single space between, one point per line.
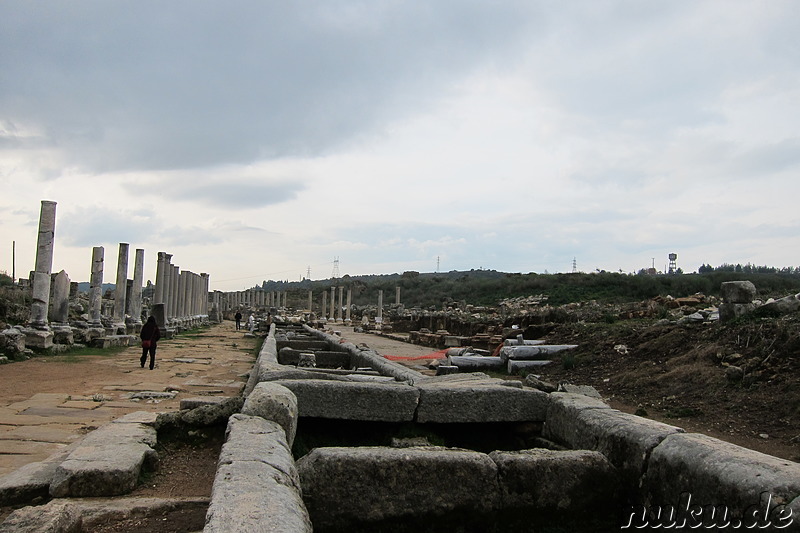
46 403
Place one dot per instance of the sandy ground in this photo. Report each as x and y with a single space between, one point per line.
46 403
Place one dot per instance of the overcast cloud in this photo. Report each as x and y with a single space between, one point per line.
257 140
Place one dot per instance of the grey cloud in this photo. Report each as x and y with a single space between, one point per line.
220 192
92 226
153 85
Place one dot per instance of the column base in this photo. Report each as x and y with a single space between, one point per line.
38 339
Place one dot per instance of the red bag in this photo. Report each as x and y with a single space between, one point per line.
146 344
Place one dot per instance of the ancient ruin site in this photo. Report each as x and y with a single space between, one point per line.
311 413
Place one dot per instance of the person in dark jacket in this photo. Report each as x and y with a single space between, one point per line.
238 317
149 335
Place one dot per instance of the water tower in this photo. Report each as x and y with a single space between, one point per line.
673 257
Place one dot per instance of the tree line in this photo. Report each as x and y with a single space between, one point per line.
489 287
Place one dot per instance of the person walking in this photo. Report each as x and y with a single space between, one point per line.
251 323
149 335
238 317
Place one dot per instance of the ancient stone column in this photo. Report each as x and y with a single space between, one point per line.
205 279
59 312
339 317
44 263
135 303
198 294
349 304
158 297
181 307
333 304
121 285
310 301
96 287
174 297
167 297
397 295
379 316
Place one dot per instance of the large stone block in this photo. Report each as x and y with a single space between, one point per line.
29 481
257 486
101 470
737 292
272 401
464 402
551 481
107 462
625 439
354 400
562 412
348 487
719 473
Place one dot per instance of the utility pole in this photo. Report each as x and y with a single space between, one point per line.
13 261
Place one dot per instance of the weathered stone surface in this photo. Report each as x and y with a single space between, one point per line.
203 416
56 517
199 401
718 472
781 306
257 486
489 403
12 341
737 292
29 481
515 366
625 439
101 470
272 401
466 363
74 516
586 390
533 353
731 311
111 341
107 462
556 481
346 486
38 339
536 383
563 410
354 401
274 372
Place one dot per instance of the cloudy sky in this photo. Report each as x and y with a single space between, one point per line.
261 139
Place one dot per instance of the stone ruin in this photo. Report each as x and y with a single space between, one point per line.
60 316
361 443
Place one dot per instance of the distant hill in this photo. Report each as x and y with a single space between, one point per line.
83 286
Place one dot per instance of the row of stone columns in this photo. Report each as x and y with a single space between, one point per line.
182 295
254 298
186 292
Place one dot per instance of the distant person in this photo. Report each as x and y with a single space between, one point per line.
149 335
251 323
238 317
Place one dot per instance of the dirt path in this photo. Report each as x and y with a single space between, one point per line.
46 403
